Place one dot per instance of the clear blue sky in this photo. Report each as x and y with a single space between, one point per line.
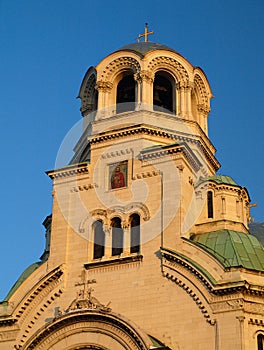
46 48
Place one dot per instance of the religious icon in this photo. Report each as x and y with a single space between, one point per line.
118 175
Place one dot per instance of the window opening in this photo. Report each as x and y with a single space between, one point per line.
135 233
117 237
99 240
163 91
260 340
210 204
126 94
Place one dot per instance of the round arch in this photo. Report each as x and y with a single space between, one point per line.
89 329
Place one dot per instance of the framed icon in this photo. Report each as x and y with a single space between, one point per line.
118 175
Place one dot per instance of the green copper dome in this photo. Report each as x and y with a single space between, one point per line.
233 249
143 47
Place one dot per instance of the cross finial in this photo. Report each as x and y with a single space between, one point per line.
146 34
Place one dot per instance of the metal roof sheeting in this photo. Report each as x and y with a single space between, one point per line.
233 249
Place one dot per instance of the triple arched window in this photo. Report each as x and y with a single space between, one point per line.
117 237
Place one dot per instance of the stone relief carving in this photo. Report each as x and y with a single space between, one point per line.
119 64
85 299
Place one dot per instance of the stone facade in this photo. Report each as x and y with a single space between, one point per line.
147 248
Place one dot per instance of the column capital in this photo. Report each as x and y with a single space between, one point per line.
184 85
104 86
144 75
203 108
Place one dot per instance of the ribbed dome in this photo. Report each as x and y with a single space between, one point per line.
143 47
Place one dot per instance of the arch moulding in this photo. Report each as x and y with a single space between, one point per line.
88 329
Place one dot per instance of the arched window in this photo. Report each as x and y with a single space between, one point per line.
117 236
210 209
260 340
126 94
135 233
164 92
99 240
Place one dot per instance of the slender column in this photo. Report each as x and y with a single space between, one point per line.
182 110
126 232
145 80
188 101
203 112
241 331
108 241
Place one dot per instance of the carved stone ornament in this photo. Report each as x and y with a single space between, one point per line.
84 298
144 75
104 86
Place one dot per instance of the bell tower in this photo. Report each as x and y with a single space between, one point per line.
146 243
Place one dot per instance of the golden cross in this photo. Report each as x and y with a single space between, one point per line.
146 34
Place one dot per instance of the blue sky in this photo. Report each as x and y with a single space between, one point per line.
46 48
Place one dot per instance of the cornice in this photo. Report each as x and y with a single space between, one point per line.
149 156
211 184
119 261
71 170
46 284
142 129
256 322
173 260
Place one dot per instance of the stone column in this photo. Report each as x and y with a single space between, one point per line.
181 108
145 80
126 232
104 88
108 241
203 111
188 100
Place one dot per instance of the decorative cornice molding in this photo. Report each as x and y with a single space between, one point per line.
211 184
122 260
38 312
256 322
146 174
151 156
117 153
194 296
47 284
173 260
81 188
147 130
71 170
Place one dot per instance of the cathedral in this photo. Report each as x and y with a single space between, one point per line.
147 246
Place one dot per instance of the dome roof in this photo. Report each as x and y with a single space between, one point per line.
143 47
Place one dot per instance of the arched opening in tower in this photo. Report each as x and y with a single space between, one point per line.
126 94
164 92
